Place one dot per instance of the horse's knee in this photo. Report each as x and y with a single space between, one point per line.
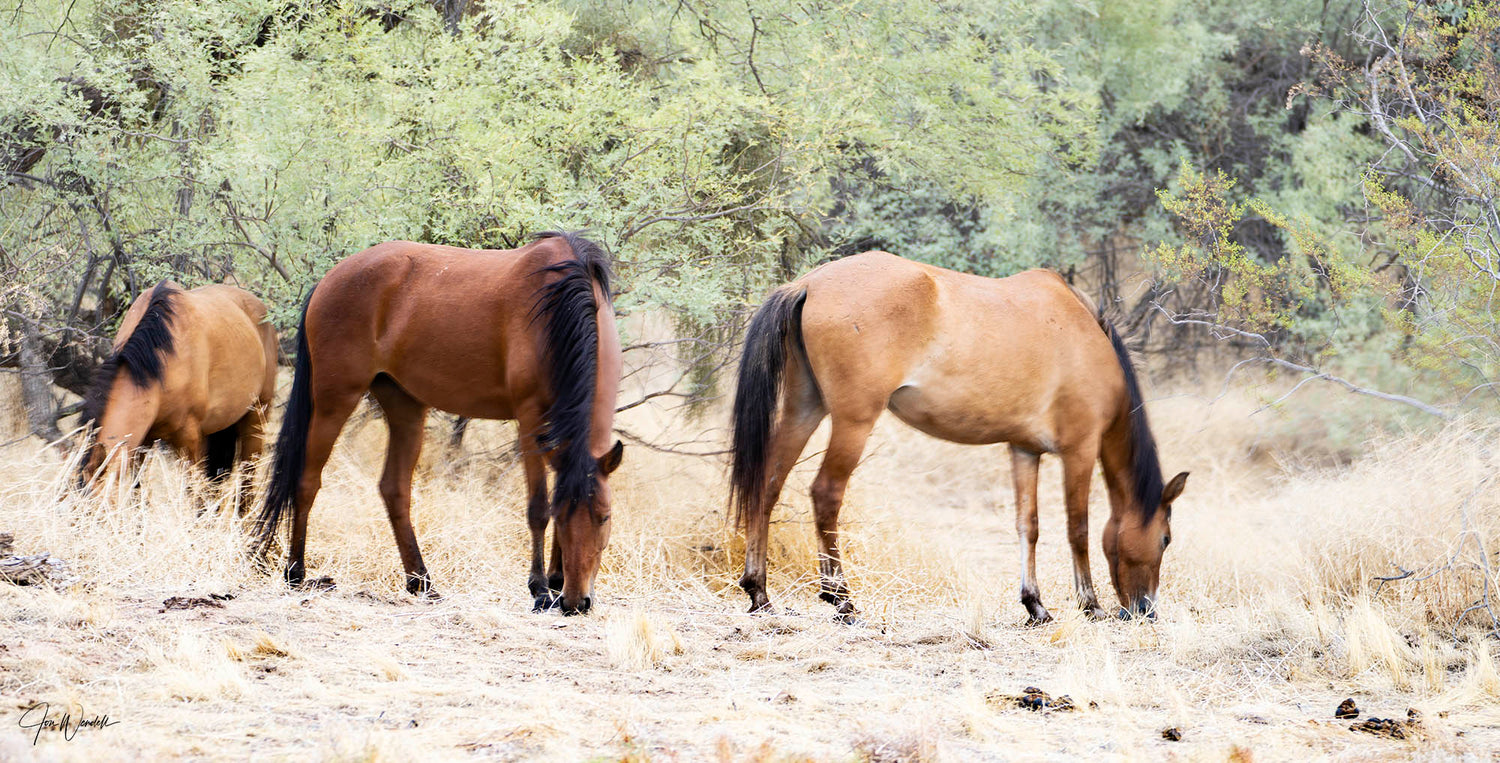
536 514
391 492
308 490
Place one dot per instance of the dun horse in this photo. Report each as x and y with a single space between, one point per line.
525 334
1024 360
196 369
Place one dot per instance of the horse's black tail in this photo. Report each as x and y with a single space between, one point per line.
291 446
776 324
1145 465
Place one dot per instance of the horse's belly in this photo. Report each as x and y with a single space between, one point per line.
966 422
474 400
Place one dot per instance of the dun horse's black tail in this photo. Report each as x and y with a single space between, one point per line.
762 367
291 446
570 312
1145 466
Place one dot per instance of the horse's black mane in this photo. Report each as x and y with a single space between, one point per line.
141 354
1145 465
568 308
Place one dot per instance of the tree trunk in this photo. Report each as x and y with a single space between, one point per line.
36 385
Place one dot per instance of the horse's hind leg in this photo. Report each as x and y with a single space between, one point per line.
845 445
330 411
1023 465
1078 473
405 416
801 412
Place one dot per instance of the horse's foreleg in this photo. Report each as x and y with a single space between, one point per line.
1078 473
845 445
536 519
1023 466
555 565
791 435
251 431
404 416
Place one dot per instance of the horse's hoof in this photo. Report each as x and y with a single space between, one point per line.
430 595
544 602
420 585
1038 616
1096 613
761 605
323 583
846 613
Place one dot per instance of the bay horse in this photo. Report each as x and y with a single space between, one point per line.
526 334
1025 360
195 369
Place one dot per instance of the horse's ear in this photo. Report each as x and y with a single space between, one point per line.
611 460
1174 488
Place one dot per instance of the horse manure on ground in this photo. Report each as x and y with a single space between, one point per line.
194 602
1411 728
1173 734
1034 699
1347 710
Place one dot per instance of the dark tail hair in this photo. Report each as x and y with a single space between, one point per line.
291 445
758 392
571 338
141 354
1145 467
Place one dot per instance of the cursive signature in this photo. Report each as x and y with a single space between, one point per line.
39 717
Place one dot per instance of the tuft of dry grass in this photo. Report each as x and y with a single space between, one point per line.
1271 613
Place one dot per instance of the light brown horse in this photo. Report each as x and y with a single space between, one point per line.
525 334
196 369
1024 360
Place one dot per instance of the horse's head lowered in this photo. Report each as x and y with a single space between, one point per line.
1134 543
584 534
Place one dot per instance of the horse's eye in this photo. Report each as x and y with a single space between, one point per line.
1166 540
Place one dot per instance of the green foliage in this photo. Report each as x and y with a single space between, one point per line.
266 140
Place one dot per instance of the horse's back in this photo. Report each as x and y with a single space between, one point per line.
230 363
444 322
961 357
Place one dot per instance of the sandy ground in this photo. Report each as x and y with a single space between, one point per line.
1270 617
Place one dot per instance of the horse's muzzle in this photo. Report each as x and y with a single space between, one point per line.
582 608
1142 607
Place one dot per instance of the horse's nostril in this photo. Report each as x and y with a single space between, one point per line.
588 601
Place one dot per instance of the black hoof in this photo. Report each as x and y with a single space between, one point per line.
294 574
324 583
420 585
845 612
1034 619
544 602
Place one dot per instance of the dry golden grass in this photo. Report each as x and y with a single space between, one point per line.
1271 615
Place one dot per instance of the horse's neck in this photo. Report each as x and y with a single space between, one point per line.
1119 474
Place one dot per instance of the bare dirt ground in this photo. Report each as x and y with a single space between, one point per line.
1271 615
